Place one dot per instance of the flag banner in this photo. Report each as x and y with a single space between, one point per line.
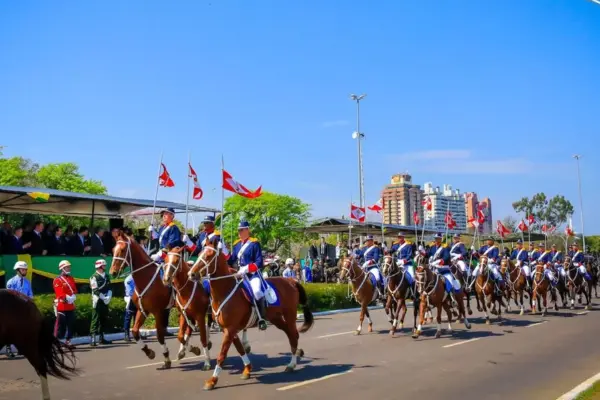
234 186
198 193
164 179
357 213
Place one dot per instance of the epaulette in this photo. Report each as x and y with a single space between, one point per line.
444 245
432 244
237 241
253 239
408 242
217 233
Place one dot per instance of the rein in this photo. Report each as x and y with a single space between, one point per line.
351 271
182 307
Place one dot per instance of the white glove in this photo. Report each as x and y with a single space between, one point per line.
101 296
107 298
472 248
127 300
243 270
71 299
157 257
188 242
151 228
421 248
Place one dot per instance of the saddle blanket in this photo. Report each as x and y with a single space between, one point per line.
206 286
247 289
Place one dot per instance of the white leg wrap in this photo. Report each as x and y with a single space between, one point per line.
245 359
217 371
359 328
419 327
449 326
293 361
395 323
369 320
165 349
439 327
45 389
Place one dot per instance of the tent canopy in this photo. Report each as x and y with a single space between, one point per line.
15 199
339 225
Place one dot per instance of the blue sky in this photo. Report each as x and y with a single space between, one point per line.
489 96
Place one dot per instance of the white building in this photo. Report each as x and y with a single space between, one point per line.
443 201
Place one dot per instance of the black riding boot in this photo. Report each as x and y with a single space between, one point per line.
262 311
104 341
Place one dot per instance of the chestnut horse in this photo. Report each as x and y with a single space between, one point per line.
363 289
432 292
235 312
541 287
516 284
577 284
150 297
23 325
485 289
398 290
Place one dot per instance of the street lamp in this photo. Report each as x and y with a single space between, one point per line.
358 135
577 157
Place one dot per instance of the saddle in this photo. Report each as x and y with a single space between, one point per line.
249 294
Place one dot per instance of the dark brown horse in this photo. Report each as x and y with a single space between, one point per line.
234 311
541 287
488 292
22 324
150 297
464 283
432 292
577 284
516 284
398 290
363 289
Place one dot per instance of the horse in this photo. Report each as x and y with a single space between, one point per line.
561 288
432 292
363 289
23 325
398 290
541 287
486 288
153 298
464 283
516 284
232 307
577 284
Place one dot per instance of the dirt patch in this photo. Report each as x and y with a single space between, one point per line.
14 385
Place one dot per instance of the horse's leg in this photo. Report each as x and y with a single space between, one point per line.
135 331
462 311
204 340
29 347
449 314
422 307
161 329
210 383
370 327
404 309
438 319
245 341
483 307
545 299
363 308
396 311
388 311
478 297
416 308
588 295
468 296
239 346
183 337
572 296
521 301
289 327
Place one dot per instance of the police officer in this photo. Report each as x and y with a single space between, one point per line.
207 233
370 255
439 258
534 254
491 251
64 303
402 250
168 234
521 258
21 284
101 296
247 255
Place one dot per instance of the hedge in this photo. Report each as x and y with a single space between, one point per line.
321 297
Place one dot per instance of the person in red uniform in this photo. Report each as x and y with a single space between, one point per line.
64 304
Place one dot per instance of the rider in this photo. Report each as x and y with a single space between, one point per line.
439 257
546 259
491 252
247 255
403 252
370 254
207 233
578 261
557 260
168 234
521 258
458 254
534 254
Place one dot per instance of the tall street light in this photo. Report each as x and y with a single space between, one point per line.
577 157
358 135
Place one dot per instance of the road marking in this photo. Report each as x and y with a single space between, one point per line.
335 334
532 325
582 387
582 312
295 385
459 343
160 363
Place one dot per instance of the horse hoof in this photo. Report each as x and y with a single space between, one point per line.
151 354
522 312
299 353
487 321
246 372
196 350
392 333
468 325
587 307
209 346
289 369
572 307
180 355
356 333
167 364
438 334
470 312
370 329
206 366
210 384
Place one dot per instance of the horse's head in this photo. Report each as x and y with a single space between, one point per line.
347 266
567 262
483 262
387 267
422 275
172 265
207 262
504 264
122 256
540 266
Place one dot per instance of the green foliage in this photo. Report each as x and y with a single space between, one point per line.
554 211
17 171
593 243
322 297
66 176
271 217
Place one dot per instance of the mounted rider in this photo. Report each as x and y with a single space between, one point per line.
491 251
458 255
546 259
370 254
521 259
207 233
439 258
579 262
534 253
168 235
558 259
402 250
247 256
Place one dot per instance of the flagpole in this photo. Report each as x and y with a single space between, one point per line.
222 195
187 197
155 197
447 222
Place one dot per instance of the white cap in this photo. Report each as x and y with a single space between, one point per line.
190 263
63 264
100 263
289 261
20 265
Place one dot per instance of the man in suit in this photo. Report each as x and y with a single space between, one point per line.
15 245
78 245
323 252
37 241
57 243
97 248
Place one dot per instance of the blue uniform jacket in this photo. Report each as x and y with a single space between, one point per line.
21 285
458 248
545 257
578 257
534 255
202 238
557 257
492 255
519 255
403 252
443 254
252 253
171 237
369 253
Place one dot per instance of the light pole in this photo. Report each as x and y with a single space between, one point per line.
358 135
577 157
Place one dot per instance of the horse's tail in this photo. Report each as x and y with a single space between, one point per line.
309 320
59 360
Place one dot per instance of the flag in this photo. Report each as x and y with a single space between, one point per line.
474 222
501 229
552 230
569 231
416 218
480 217
545 229
481 206
448 217
523 226
377 207
164 179
427 204
531 219
451 224
39 197
357 213
197 194
234 186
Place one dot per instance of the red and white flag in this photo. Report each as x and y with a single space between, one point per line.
427 204
234 186
551 230
480 217
197 195
569 228
377 207
448 217
474 222
416 219
164 179
531 219
357 213
501 229
523 226
451 224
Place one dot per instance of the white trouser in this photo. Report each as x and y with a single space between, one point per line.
407 267
526 270
256 284
495 271
560 269
376 273
549 273
582 269
463 267
450 278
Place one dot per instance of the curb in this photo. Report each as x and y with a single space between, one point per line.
146 333
582 387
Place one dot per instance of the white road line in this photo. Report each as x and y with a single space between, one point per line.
532 325
335 334
582 312
582 387
459 343
295 385
160 363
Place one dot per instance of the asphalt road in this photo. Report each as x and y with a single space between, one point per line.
527 357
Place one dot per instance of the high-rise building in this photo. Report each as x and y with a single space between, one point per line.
443 201
401 198
488 225
472 206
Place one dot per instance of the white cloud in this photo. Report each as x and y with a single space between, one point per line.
330 124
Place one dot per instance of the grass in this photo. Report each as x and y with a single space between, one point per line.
593 393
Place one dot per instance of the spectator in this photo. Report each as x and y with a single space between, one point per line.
130 308
288 272
57 245
101 296
78 244
97 248
64 304
21 284
15 245
111 241
37 242
323 252
338 252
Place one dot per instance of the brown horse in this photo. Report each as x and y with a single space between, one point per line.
432 292
486 289
541 287
398 290
464 283
363 289
516 284
234 311
150 297
22 324
577 284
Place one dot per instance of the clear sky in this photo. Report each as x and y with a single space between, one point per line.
489 96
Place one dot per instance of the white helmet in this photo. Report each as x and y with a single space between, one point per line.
20 265
64 264
289 261
100 264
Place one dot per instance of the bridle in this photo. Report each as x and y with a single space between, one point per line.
168 266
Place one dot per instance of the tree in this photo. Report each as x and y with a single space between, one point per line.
66 176
271 217
555 211
510 223
558 211
17 171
